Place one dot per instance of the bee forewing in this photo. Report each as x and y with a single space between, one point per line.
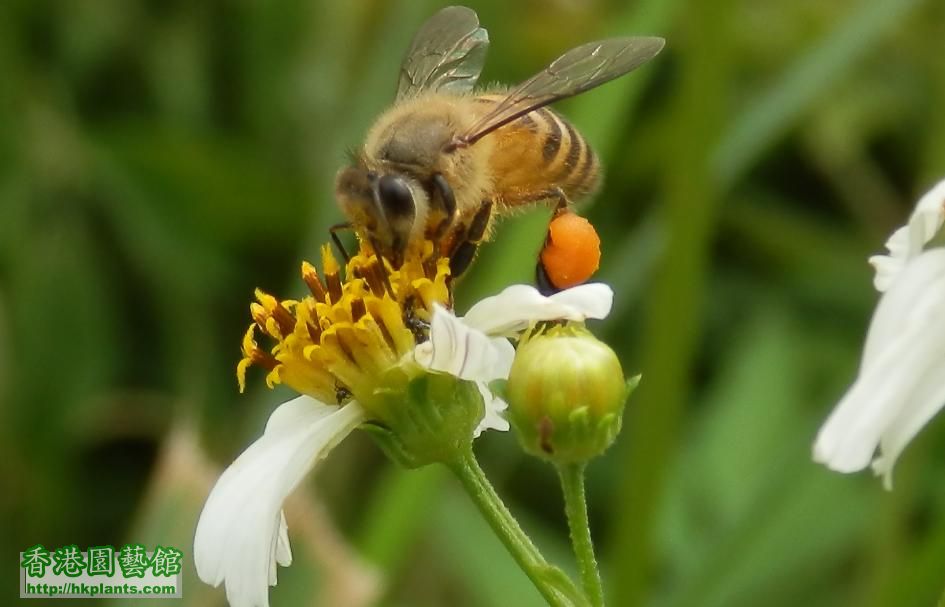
574 72
447 54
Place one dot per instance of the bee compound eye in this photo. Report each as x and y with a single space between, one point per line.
395 196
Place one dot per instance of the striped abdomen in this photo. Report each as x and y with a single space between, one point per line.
539 154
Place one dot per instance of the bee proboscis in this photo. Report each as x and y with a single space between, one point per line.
444 159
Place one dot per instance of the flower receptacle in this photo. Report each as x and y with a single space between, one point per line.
432 421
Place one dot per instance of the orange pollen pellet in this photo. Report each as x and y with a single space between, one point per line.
572 253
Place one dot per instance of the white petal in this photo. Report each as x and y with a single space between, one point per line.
907 242
493 418
896 391
241 534
849 437
516 307
468 353
283 548
912 299
927 399
887 267
462 351
593 300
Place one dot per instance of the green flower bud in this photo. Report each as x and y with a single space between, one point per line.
566 392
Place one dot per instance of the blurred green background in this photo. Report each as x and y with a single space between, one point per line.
160 159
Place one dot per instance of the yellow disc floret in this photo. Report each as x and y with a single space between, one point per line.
351 330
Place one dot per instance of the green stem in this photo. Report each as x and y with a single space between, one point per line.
553 584
575 506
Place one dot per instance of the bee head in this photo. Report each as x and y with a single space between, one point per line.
383 207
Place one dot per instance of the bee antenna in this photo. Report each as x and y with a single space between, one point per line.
353 155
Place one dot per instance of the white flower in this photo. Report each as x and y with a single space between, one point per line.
901 383
241 536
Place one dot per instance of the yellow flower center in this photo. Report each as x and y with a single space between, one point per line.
342 339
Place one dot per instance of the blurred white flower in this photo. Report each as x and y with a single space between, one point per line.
901 382
241 536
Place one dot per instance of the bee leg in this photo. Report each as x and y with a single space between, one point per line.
464 253
446 202
382 269
542 280
333 231
462 257
480 222
563 203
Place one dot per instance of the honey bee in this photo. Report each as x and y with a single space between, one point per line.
444 159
